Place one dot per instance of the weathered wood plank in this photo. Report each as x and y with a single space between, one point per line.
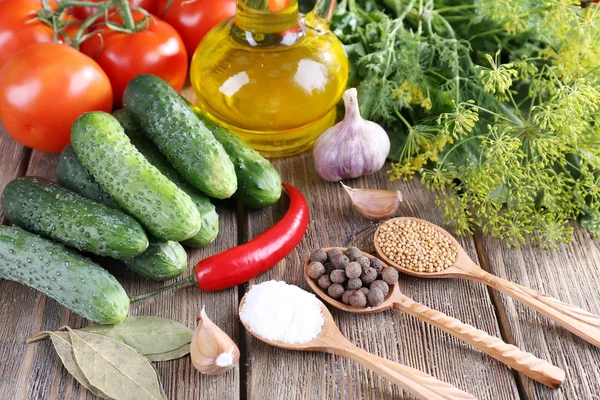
571 274
279 374
13 161
35 372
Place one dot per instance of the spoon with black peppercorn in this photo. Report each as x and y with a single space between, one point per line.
526 363
330 340
580 322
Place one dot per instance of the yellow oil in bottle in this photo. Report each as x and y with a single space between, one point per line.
272 77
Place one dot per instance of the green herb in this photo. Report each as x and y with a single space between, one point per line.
493 102
116 369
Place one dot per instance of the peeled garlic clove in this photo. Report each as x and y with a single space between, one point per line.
352 148
212 351
375 204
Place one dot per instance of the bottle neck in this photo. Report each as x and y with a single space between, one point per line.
266 17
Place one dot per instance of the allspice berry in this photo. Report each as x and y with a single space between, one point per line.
364 290
389 275
332 252
353 253
328 267
355 283
335 291
381 285
338 276
377 264
339 260
364 262
368 276
346 296
324 282
319 256
353 270
375 297
358 299
315 269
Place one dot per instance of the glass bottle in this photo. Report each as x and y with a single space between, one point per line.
272 75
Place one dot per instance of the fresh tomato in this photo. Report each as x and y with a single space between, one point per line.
157 50
275 5
44 88
18 27
193 19
84 12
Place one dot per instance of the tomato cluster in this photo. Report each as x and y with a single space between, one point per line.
45 84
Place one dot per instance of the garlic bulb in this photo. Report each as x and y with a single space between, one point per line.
352 148
213 352
375 204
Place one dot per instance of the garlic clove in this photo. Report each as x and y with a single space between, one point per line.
375 204
212 351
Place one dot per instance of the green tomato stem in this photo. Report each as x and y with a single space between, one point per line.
125 13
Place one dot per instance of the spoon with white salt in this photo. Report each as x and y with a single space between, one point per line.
288 317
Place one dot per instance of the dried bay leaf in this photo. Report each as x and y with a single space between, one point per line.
115 368
170 355
148 335
62 344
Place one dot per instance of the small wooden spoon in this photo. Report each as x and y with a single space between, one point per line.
580 322
526 363
331 340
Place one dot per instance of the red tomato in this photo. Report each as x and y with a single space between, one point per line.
44 88
193 19
275 5
156 50
84 12
17 28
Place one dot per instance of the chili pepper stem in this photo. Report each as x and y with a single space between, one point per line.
189 281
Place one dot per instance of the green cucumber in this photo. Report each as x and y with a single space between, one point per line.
208 214
162 261
259 183
138 187
40 206
167 120
62 274
71 174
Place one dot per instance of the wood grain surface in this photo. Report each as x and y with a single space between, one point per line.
572 274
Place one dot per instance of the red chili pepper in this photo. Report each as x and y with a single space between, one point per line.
242 263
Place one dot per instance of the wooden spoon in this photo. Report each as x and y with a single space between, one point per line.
331 340
526 363
582 323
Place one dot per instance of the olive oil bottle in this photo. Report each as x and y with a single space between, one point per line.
272 75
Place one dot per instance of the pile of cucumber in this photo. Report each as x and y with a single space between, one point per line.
133 186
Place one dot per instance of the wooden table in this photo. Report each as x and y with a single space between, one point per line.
571 273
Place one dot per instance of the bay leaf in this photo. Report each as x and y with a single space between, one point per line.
62 344
148 335
43 335
115 368
170 355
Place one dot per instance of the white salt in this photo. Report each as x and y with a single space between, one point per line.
277 311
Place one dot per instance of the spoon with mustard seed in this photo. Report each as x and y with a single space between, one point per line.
420 248
526 363
331 340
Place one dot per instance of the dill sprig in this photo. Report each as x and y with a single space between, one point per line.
493 102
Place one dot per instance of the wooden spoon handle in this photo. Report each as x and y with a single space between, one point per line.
526 363
582 323
416 382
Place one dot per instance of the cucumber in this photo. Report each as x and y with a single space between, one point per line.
259 183
62 274
162 261
71 174
167 120
208 214
39 206
138 187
